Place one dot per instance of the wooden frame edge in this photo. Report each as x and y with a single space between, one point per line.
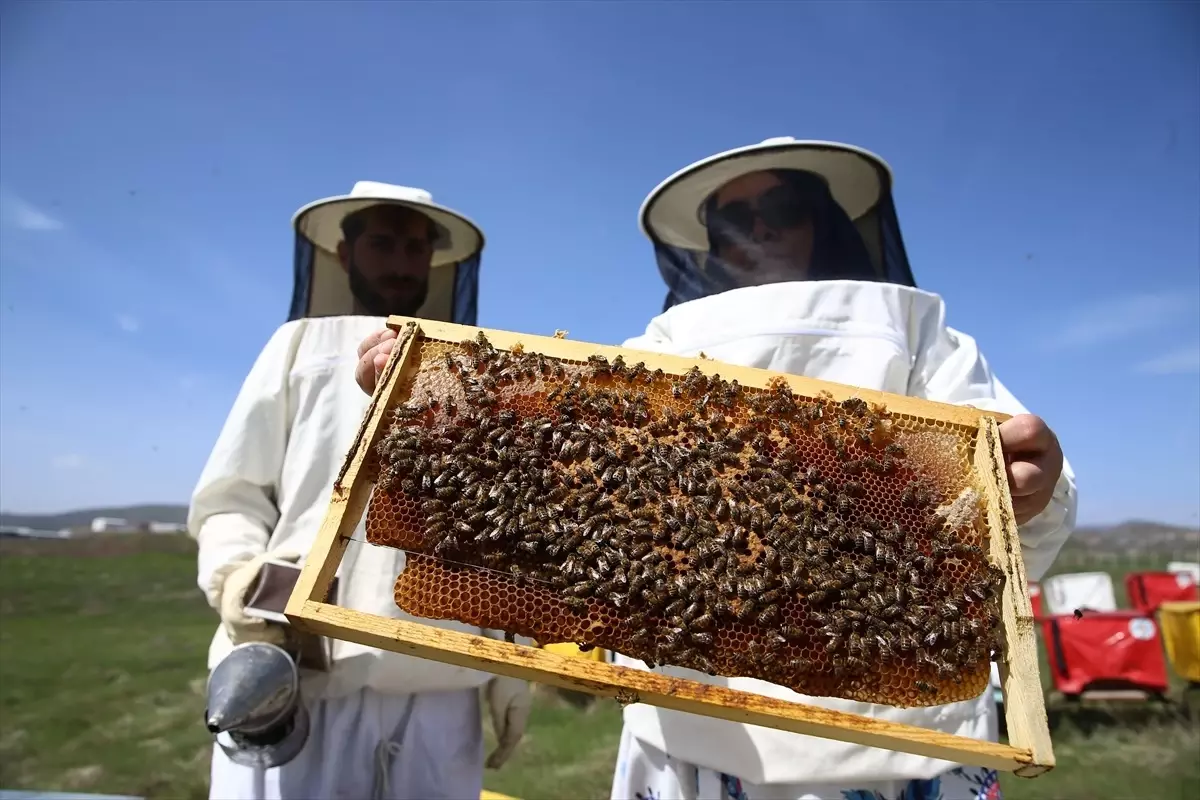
1020 679
347 506
629 685
309 610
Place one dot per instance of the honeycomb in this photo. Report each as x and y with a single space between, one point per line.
834 548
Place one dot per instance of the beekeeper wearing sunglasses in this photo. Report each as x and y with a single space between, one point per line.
381 725
787 255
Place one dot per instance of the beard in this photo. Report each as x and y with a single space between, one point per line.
394 294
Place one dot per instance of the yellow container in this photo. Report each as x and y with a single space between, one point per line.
486 795
570 649
1180 623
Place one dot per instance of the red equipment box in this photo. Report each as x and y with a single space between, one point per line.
1149 590
1035 599
1105 650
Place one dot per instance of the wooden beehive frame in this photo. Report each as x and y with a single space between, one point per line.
1028 754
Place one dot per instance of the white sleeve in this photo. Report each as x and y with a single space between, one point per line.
233 508
953 370
656 339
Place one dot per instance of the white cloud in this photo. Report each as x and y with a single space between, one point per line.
68 461
20 214
1119 318
128 323
1173 362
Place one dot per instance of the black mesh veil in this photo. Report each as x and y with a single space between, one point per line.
321 287
868 247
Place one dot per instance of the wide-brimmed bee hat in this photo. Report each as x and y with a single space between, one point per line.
854 183
322 287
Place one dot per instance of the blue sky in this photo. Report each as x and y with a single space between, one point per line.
1047 160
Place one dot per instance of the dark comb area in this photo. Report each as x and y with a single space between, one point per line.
830 547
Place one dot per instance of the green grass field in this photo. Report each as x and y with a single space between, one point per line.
102 653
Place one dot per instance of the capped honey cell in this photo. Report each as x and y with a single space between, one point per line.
831 547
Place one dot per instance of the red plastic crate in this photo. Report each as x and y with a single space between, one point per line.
1149 590
1105 650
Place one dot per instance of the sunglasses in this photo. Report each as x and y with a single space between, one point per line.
779 208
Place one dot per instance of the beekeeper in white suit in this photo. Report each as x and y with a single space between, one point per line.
787 255
383 725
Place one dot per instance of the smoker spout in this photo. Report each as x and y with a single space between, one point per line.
254 688
215 723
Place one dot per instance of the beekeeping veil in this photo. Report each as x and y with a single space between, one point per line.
845 191
322 287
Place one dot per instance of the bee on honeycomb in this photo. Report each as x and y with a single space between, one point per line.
688 521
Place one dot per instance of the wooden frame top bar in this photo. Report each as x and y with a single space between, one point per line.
571 350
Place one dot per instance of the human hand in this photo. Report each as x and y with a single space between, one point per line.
232 604
373 355
509 701
1034 460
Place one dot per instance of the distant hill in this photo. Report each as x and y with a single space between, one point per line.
84 516
1133 536
1137 536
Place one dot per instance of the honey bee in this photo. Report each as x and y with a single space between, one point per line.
792 632
769 615
950 610
839 666
829 585
576 604
855 664
800 665
674 608
977 592
745 610
771 596
946 670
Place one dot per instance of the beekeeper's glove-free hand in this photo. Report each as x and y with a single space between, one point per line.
232 601
373 354
508 701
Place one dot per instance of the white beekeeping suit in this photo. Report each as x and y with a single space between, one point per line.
382 725
727 233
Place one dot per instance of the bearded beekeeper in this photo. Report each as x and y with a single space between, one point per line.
381 724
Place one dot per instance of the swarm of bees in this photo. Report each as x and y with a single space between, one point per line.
685 521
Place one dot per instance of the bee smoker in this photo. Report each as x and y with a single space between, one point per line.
254 710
